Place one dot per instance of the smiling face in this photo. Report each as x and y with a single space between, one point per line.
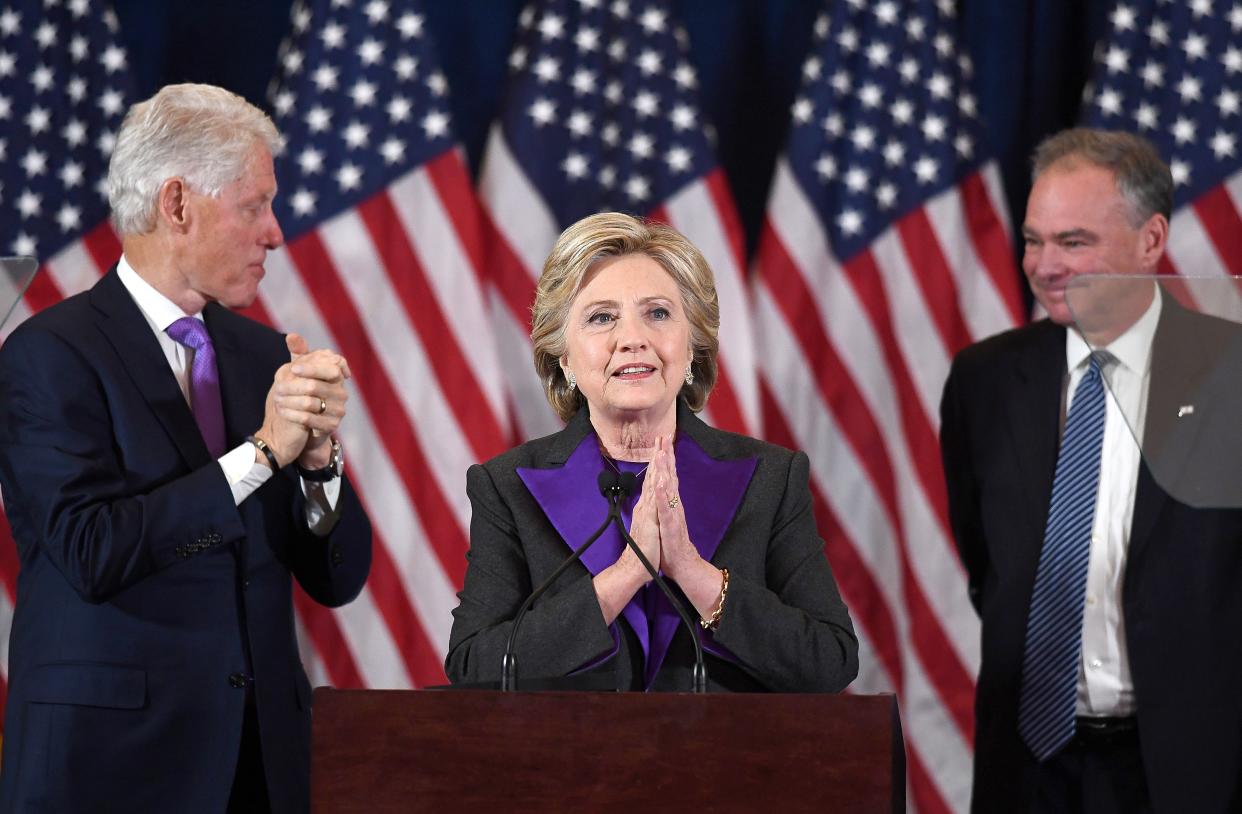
628 341
1077 222
228 237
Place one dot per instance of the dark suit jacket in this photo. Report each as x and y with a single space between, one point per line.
784 623
1182 590
142 588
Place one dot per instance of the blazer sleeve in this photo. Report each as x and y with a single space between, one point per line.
791 630
562 632
963 492
66 487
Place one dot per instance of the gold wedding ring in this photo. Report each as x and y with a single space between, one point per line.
674 501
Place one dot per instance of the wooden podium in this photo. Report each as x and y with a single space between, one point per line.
449 751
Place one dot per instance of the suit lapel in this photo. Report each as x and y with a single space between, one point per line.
124 326
1180 362
1033 404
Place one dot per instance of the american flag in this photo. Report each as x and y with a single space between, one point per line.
601 113
64 88
1173 72
884 251
383 262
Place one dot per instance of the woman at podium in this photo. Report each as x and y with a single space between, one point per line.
624 330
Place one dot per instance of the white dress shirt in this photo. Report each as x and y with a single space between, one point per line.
243 473
1104 683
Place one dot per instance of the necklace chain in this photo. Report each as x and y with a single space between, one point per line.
604 454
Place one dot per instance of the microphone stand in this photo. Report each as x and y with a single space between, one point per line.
611 489
700 669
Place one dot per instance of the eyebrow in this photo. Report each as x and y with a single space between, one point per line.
614 303
1068 234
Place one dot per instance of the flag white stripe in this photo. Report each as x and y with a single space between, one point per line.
922 347
73 269
516 206
982 307
371 644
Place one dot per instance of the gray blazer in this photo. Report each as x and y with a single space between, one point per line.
784 626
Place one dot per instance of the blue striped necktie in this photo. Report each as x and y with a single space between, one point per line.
1054 624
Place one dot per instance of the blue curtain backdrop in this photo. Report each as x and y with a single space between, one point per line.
1031 60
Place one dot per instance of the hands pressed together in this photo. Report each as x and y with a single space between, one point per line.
305 405
658 526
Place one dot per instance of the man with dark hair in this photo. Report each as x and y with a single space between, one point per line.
167 467
1110 664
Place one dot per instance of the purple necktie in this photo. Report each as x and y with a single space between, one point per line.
204 381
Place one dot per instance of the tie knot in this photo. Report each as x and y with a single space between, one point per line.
190 332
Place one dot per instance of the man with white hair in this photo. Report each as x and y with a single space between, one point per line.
167 465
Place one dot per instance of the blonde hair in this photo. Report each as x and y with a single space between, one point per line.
200 133
613 234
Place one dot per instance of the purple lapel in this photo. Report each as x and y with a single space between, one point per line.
569 496
711 492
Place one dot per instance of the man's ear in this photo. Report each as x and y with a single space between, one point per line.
173 205
1154 238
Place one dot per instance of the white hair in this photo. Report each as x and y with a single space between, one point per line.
200 133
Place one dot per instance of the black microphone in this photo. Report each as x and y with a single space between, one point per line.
626 483
610 486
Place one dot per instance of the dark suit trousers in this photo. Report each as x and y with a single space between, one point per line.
249 795
1094 774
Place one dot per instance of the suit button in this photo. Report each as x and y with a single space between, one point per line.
338 556
245 584
239 680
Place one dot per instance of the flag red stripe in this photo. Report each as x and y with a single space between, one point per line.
507 273
934 279
718 188
321 626
991 243
103 246
453 371
8 561
452 184
789 291
858 586
420 658
927 799
42 291
321 282
1223 226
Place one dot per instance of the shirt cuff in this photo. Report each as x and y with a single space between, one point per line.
242 472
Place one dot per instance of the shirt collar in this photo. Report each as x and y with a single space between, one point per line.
1132 349
158 309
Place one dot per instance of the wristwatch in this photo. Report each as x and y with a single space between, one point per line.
336 465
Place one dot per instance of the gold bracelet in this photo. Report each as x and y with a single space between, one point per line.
713 622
